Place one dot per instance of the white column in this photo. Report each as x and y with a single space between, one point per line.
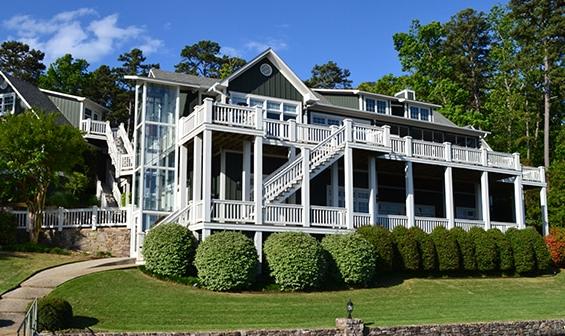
207 175
197 175
335 184
409 183
543 203
206 233
519 202
223 175
258 179
449 203
182 171
246 172
485 200
373 189
348 185
305 189
258 241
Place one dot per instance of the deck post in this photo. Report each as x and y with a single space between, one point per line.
258 179
94 217
182 190
196 175
61 219
258 241
348 177
246 172
519 194
543 202
208 107
408 145
305 189
207 175
258 118
386 136
409 183
373 190
485 200
449 204
291 130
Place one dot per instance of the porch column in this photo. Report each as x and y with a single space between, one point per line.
182 172
223 175
519 202
373 189
197 175
258 241
206 233
543 203
449 203
305 189
258 179
485 200
409 183
348 174
246 172
335 184
207 175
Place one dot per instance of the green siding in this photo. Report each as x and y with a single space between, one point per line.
69 108
276 85
345 101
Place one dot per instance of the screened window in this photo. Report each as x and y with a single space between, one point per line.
370 105
381 106
7 103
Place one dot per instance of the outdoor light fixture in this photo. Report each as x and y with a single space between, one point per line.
349 308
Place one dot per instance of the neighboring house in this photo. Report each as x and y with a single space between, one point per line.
260 152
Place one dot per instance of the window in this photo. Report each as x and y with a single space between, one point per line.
272 108
370 105
7 103
414 112
334 122
424 114
420 113
87 113
381 106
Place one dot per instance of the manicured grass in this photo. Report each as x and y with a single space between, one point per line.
128 300
16 266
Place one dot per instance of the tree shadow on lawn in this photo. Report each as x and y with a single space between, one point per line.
83 322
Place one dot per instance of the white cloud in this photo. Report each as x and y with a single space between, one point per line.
82 33
232 52
260 46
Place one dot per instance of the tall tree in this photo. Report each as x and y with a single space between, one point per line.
204 58
329 76
389 84
19 60
102 86
67 75
34 149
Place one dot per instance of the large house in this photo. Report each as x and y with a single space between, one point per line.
260 152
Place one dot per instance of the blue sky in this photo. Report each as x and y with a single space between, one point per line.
357 35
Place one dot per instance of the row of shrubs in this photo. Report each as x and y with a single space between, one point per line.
228 261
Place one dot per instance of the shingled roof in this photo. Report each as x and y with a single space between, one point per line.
31 94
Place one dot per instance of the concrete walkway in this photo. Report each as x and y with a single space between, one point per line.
13 304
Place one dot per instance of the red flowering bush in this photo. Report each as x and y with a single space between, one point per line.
556 244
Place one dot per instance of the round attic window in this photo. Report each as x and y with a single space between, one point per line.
266 69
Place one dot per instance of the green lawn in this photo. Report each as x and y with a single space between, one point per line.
128 300
17 266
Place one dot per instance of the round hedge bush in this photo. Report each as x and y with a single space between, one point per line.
296 260
381 239
485 250
168 250
447 250
407 255
505 256
351 258
53 314
426 248
524 257
226 261
466 249
541 251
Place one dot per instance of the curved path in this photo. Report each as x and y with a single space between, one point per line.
13 304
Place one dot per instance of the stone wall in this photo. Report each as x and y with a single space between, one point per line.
114 240
522 328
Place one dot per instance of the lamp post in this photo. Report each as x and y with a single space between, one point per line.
349 308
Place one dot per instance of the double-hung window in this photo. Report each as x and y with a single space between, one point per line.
7 103
272 108
420 113
381 106
370 105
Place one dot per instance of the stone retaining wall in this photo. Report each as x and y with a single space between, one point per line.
521 328
102 240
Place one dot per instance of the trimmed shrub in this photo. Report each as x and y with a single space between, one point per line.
407 256
53 314
556 244
296 260
226 261
541 252
8 228
426 249
466 249
505 256
524 257
381 239
351 259
485 250
447 250
168 250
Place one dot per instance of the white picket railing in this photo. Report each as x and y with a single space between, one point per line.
428 224
500 160
466 155
392 221
503 226
232 115
428 150
233 211
277 129
95 127
467 224
367 134
532 174
193 120
314 134
62 218
328 217
361 219
398 145
283 214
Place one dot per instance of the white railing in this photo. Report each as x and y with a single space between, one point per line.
503 226
123 134
309 133
283 214
500 160
428 150
467 224
198 211
95 127
61 218
428 224
233 211
392 221
328 217
28 327
532 174
232 115
277 129
193 120
398 145
361 219
371 135
466 155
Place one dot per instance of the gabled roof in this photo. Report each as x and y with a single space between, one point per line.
182 78
73 97
308 95
30 94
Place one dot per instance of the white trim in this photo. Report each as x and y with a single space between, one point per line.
249 96
66 95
